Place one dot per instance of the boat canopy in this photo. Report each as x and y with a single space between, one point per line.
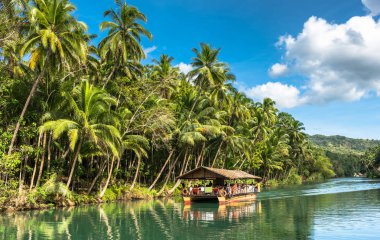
207 173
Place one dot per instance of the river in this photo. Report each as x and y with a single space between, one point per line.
346 208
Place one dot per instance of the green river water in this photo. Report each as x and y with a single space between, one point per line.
337 209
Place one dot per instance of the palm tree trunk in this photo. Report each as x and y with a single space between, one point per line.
136 174
200 156
109 77
17 128
162 170
100 172
182 170
108 179
241 165
195 102
42 161
118 164
64 154
217 154
22 174
168 176
74 163
49 153
35 164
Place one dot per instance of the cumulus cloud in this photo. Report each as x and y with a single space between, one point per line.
277 70
149 50
339 61
184 68
373 6
286 96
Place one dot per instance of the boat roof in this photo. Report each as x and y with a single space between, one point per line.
216 173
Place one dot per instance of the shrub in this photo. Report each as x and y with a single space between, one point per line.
315 177
109 195
272 183
293 179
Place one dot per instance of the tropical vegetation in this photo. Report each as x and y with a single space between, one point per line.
92 119
348 156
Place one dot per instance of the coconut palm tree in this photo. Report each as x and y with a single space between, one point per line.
165 76
208 70
274 152
239 109
121 47
55 43
269 111
88 119
260 129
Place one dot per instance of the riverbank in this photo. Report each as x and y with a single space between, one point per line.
39 199
42 198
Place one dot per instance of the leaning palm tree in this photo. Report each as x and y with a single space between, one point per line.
121 47
88 119
55 43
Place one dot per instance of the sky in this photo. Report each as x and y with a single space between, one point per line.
318 59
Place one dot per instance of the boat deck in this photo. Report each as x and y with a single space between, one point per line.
221 199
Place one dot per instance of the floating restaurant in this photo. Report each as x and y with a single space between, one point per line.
224 186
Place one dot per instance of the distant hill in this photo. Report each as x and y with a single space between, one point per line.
341 144
345 153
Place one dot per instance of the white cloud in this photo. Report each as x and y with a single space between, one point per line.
149 50
340 61
184 68
373 6
286 96
277 70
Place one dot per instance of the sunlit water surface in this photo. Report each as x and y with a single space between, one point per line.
338 209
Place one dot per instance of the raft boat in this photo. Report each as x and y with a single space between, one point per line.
221 189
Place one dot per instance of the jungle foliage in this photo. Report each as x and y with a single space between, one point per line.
80 118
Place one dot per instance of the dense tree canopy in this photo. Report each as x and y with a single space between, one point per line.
95 115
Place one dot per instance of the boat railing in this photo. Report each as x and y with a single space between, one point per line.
231 191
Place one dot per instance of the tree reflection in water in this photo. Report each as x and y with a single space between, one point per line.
298 217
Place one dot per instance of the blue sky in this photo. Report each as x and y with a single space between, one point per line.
325 71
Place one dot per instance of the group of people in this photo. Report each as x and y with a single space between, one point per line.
233 189
238 188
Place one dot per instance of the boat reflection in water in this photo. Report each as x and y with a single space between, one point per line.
215 212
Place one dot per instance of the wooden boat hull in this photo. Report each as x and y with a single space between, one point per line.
221 200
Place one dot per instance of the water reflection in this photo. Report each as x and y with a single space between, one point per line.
214 212
351 214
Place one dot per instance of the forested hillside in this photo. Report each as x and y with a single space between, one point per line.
345 153
343 144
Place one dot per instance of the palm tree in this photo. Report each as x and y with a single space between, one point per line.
14 64
209 73
54 42
274 152
260 129
269 111
165 76
208 70
297 142
239 107
121 47
88 119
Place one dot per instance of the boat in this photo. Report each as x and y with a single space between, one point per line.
224 187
